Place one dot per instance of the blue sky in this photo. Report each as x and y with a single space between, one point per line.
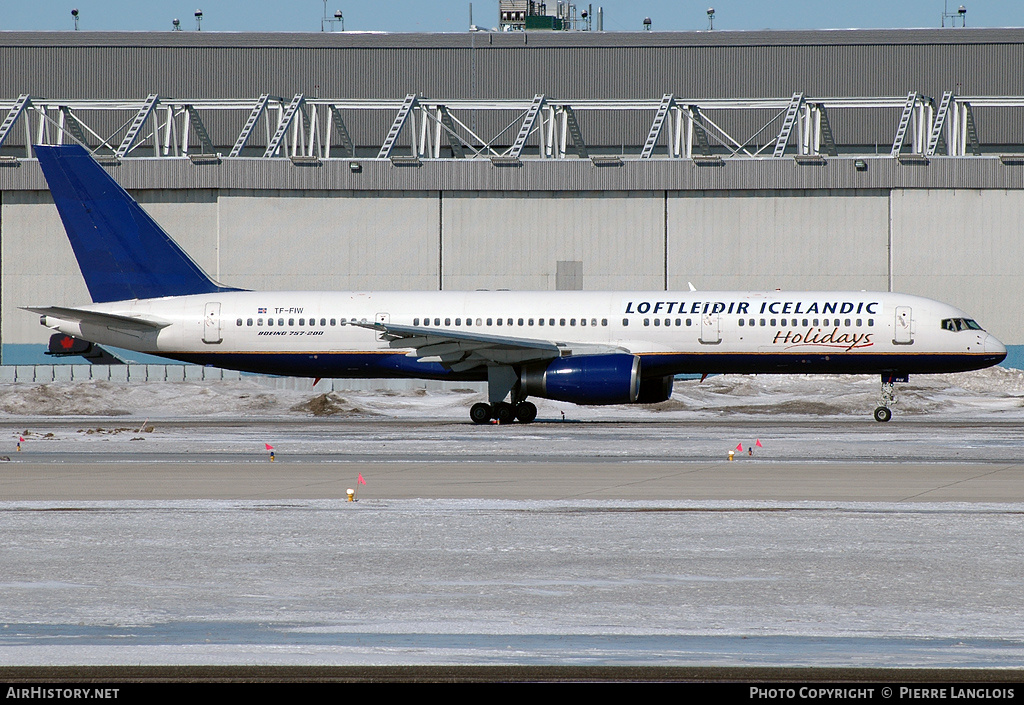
453 15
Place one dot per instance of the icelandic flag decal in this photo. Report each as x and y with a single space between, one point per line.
261 310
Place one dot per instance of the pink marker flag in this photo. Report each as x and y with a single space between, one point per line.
21 439
758 443
269 447
739 446
361 480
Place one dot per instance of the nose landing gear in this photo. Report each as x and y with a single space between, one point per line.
883 413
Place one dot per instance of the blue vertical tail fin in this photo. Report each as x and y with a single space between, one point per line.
123 253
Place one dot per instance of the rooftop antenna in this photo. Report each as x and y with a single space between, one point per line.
199 20
953 17
74 13
711 18
326 20
177 25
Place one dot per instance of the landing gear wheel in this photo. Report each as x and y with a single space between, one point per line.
480 413
503 412
883 414
526 412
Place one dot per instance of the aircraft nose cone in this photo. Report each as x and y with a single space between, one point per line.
994 347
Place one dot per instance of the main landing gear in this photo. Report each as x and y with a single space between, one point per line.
883 413
503 412
503 382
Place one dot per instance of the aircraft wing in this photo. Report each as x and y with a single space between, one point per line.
133 325
464 350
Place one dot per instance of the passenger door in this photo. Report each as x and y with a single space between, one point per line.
904 332
710 329
211 323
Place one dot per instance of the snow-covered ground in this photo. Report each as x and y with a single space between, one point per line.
489 582
996 393
483 581
797 418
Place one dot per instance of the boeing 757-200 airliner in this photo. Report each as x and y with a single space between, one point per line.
582 347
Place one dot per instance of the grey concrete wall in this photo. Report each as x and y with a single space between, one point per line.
332 241
964 247
799 240
515 240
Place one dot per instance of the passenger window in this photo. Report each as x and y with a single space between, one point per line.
270 321
490 321
447 321
332 321
480 322
859 323
530 321
762 322
540 321
280 322
561 321
259 321
625 322
500 321
323 321
657 321
593 321
847 322
415 321
871 322
583 321
805 321
458 321
604 321
741 322
248 321
302 322
520 321
689 321
647 321
773 322
238 322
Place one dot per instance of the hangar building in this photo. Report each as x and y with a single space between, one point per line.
857 159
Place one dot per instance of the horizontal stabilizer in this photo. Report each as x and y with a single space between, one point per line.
137 324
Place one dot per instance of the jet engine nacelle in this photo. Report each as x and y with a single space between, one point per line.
654 390
585 379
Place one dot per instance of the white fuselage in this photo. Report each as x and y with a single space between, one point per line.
673 332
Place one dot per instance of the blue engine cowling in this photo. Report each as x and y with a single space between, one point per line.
585 379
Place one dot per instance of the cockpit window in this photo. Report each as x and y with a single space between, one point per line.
959 324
